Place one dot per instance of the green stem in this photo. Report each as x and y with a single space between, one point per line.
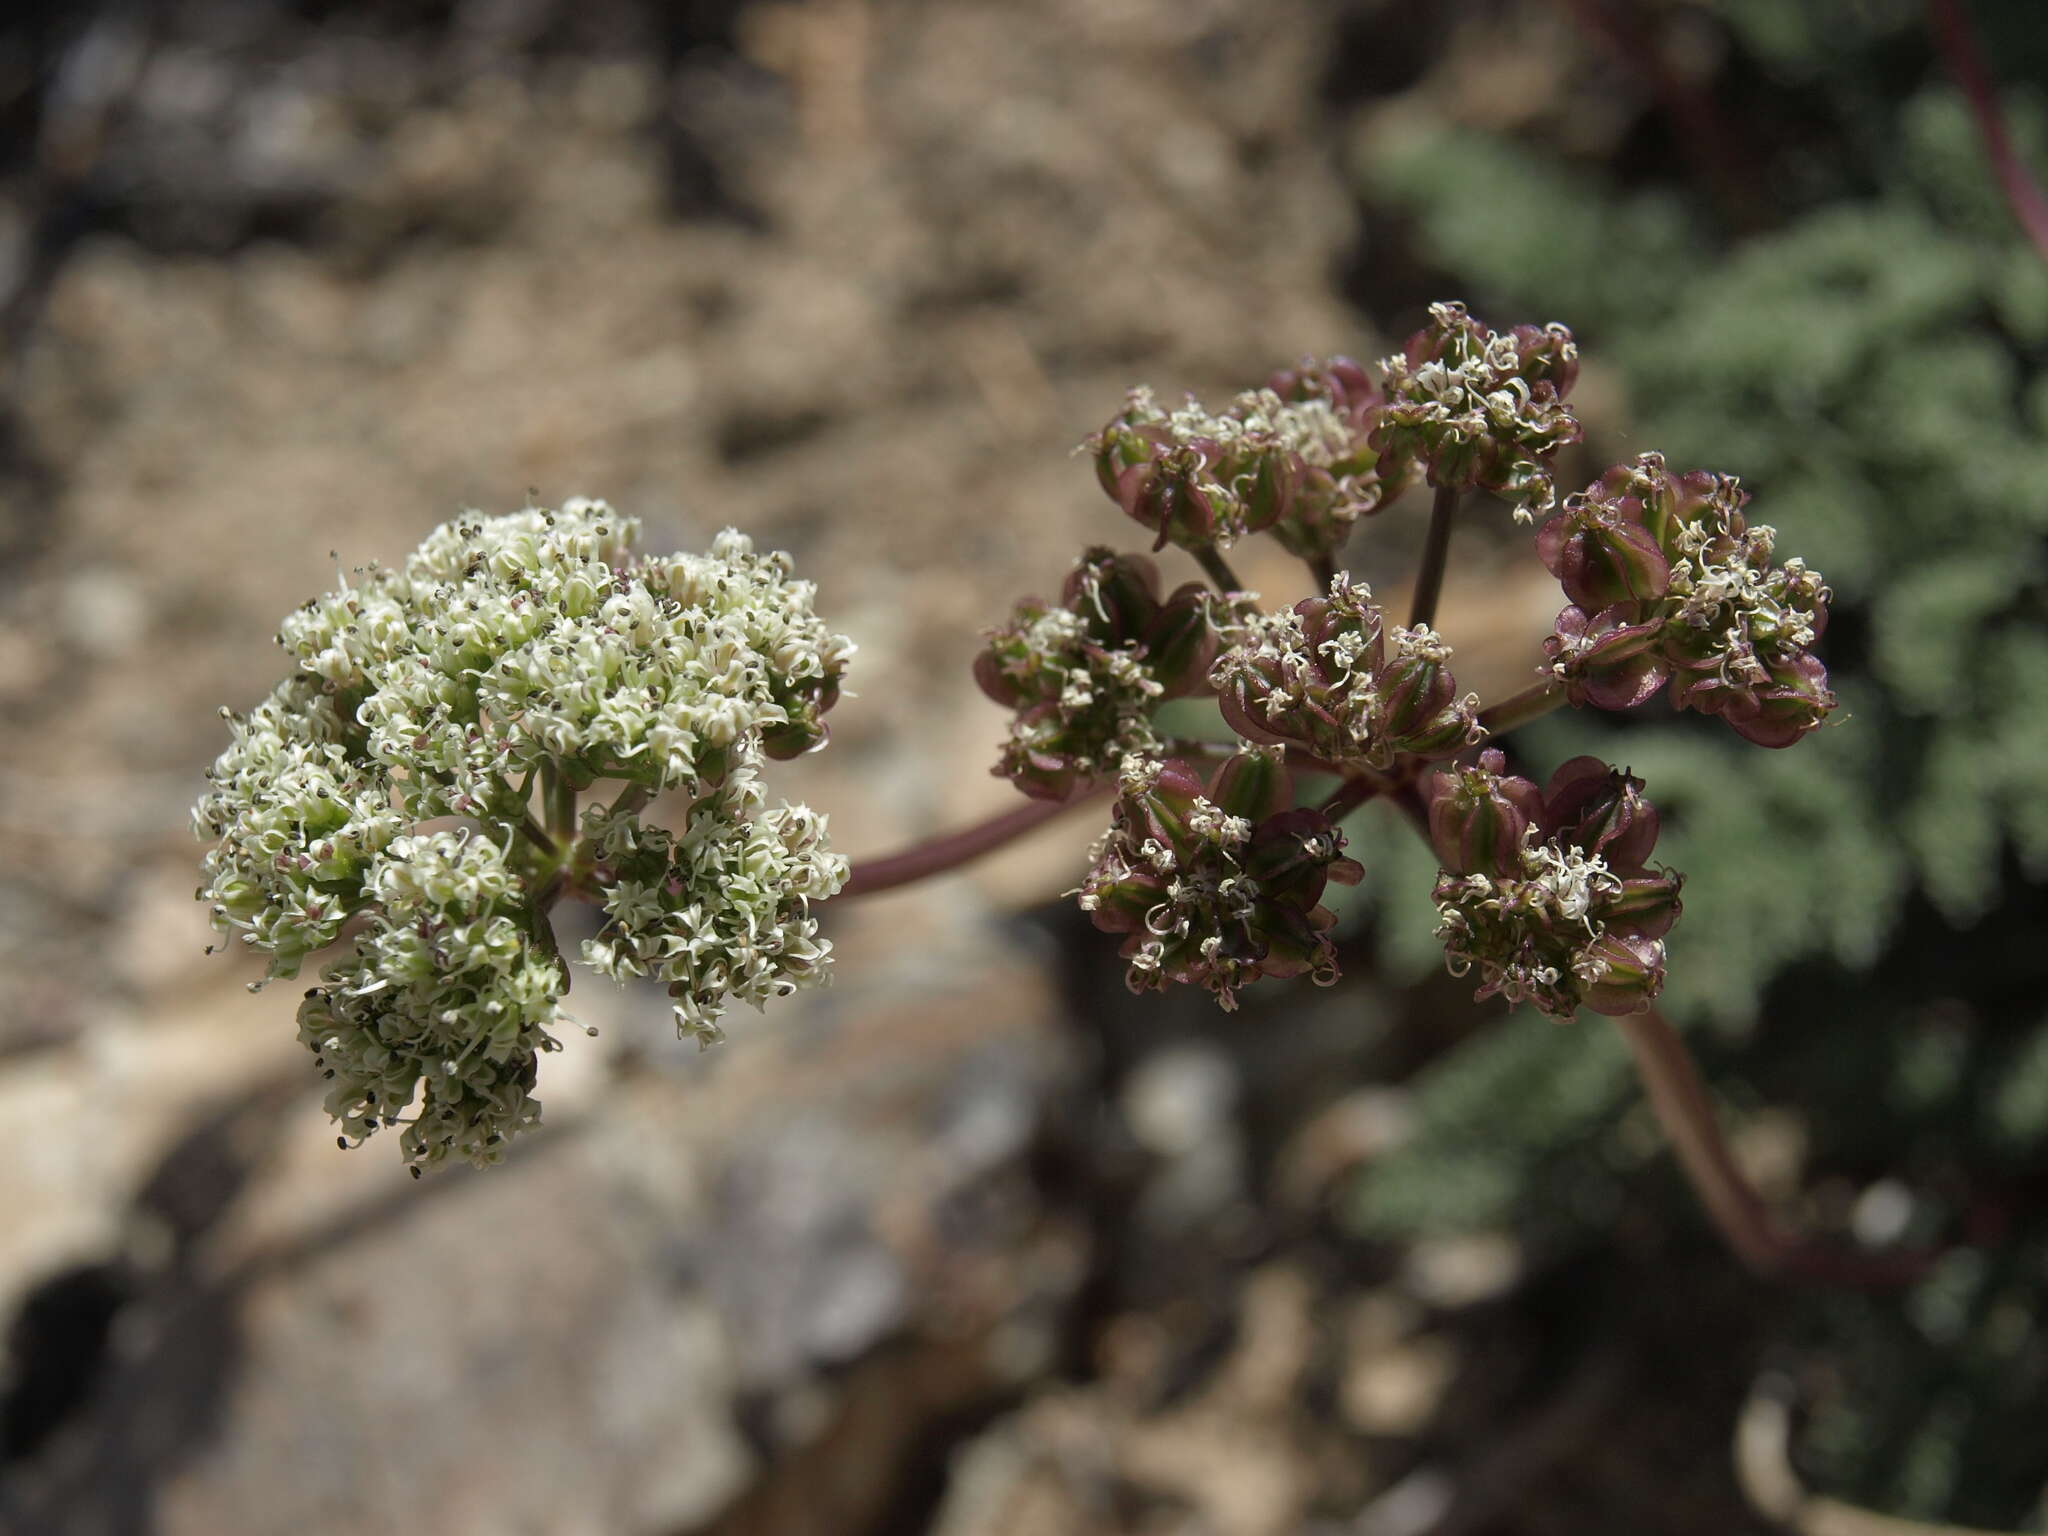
561 797
1324 569
532 830
1436 556
1532 703
1219 571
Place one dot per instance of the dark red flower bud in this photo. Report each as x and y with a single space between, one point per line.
1602 554
1182 641
1589 805
1611 659
1115 595
1176 495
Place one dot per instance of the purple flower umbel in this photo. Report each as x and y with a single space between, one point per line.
1669 582
1216 884
1547 894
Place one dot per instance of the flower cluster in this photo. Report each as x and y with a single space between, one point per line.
1548 893
1216 884
720 912
510 654
1293 458
1085 676
539 637
1328 678
444 1003
1478 407
1670 583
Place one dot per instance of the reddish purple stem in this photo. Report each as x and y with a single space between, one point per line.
1965 60
1686 1112
945 853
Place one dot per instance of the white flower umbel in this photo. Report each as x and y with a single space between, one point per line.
721 913
508 664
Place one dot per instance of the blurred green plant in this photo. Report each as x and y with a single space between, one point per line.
1863 933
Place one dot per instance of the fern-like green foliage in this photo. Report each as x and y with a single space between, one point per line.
1872 370
1861 938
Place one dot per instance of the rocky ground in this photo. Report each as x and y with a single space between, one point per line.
972 1243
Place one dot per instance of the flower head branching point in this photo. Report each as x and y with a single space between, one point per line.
412 786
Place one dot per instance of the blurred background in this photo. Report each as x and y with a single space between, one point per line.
975 1242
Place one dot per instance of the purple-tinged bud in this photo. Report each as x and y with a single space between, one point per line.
1600 809
1159 806
1421 711
1135 436
1547 354
1264 480
1646 906
1620 973
1176 495
1610 659
1253 784
1182 641
1602 554
1480 818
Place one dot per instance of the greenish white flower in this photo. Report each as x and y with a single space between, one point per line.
391 783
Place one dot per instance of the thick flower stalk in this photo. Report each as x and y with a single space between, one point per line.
1480 408
1216 883
510 663
1329 678
1547 894
1293 458
1670 583
1085 676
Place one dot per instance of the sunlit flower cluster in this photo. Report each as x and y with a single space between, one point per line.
720 912
432 710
